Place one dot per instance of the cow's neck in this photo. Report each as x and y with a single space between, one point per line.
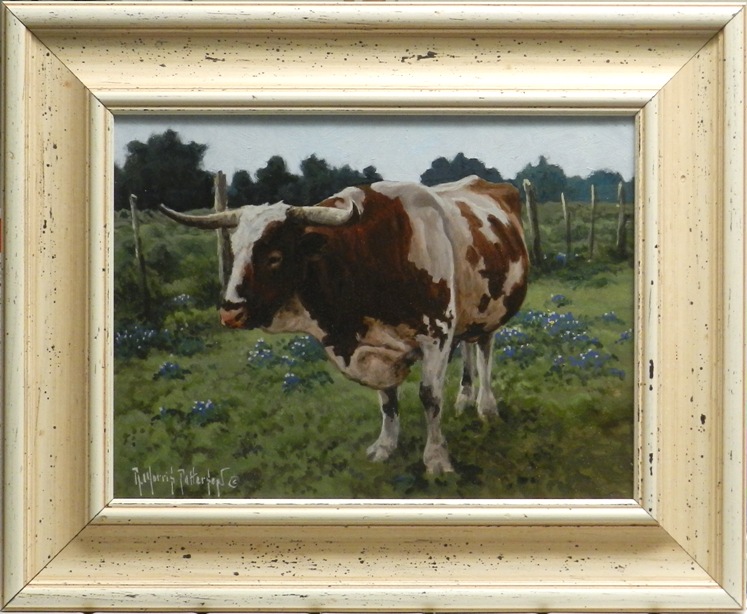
293 317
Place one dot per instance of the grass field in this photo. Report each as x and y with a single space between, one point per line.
202 411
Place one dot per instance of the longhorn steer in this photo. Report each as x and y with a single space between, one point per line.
385 275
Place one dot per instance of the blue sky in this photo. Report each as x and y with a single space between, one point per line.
400 147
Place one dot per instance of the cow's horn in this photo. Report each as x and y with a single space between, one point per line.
324 216
334 211
211 221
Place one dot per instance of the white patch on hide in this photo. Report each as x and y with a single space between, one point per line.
481 205
252 224
430 249
514 277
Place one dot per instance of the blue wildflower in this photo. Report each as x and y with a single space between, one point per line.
262 355
610 317
626 335
170 370
506 336
305 348
205 412
291 382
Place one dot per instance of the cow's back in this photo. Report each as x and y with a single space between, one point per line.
491 261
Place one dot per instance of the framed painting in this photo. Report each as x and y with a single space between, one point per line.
207 411
676 70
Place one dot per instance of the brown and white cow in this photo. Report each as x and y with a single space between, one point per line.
385 275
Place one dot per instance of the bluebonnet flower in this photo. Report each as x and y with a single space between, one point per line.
610 317
262 355
523 354
137 341
306 349
201 413
205 412
505 336
291 382
561 338
560 300
557 323
203 408
582 339
626 335
170 370
594 359
301 349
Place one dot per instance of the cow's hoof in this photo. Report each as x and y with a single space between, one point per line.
437 461
440 468
465 399
378 452
487 409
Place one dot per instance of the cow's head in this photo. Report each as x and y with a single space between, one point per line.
271 245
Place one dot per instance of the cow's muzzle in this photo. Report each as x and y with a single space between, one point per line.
233 316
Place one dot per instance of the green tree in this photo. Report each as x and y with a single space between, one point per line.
443 170
345 176
242 190
319 180
164 170
549 180
577 188
605 183
371 175
316 181
121 193
274 181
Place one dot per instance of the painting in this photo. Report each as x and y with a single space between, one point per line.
374 307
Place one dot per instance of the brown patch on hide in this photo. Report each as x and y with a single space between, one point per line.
363 272
505 195
497 246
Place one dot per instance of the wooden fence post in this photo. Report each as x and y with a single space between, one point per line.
535 249
622 218
591 222
567 219
139 257
225 256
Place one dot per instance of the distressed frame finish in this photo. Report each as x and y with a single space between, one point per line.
679 68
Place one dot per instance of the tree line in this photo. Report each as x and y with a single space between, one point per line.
166 170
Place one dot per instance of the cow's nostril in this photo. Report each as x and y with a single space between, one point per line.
232 318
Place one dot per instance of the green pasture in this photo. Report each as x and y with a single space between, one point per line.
202 411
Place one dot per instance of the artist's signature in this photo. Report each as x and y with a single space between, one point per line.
175 480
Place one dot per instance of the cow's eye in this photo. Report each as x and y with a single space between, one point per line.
274 260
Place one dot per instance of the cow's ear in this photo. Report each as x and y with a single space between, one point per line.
312 244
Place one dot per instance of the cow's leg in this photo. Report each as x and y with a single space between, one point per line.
468 388
382 448
435 455
486 404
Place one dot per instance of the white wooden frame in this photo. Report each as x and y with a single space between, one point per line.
679 68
